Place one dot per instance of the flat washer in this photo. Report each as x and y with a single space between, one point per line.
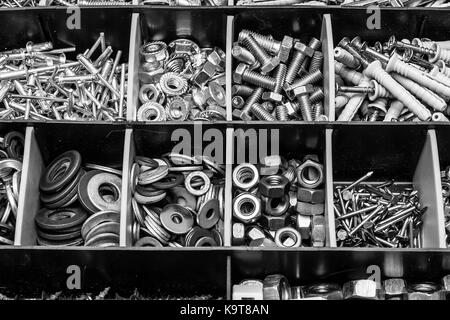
97 218
50 182
148 242
176 219
59 219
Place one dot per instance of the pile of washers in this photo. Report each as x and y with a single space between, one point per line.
181 81
11 153
70 193
177 201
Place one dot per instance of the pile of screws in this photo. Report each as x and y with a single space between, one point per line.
387 215
276 287
81 203
38 82
177 201
277 80
11 154
445 181
395 81
181 81
281 204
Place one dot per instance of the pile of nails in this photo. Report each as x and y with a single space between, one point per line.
276 287
445 181
81 203
399 80
11 154
177 201
279 204
181 81
277 80
387 215
37 82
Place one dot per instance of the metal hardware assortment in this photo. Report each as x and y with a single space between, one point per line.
387 215
11 154
276 287
445 181
277 80
349 3
37 82
177 201
399 80
281 203
64 3
211 3
81 203
181 81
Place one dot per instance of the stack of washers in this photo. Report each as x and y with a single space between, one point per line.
70 193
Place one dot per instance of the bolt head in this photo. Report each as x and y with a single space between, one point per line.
303 225
286 45
238 72
303 48
394 287
272 96
270 65
302 90
255 233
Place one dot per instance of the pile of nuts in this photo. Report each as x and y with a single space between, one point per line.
393 81
177 201
445 181
280 204
181 81
277 80
276 287
386 215
81 203
38 82
11 154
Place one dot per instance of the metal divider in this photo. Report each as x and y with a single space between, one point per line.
229 65
126 215
328 67
329 202
29 201
427 180
133 67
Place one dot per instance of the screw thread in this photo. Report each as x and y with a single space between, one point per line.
317 96
261 113
241 90
254 98
250 43
281 113
309 78
259 80
280 76
305 107
243 55
294 66
316 62
315 44
317 110
266 42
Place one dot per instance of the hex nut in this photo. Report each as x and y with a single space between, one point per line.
245 176
328 291
310 209
217 57
238 234
272 96
275 206
318 232
239 72
394 288
303 225
288 237
311 195
265 243
310 174
299 46
275 186
255 233
285 48
360 289
270 165
276 287
205 74
248 291
424 291
274 223
247 207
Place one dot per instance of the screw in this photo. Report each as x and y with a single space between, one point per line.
241 90
254 98
300 53
243 74
393 43
267 62
305 103
278 48
281 113
261 113
244 56
280 76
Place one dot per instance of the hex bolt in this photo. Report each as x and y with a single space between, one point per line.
305 103
267 62
245 56
268 106
317 95
241 90
255 97
316 62
281 113
261 113
310 78
280 76
271 45
237 102
296 62
317 110
243 74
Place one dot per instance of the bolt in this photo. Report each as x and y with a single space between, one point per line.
316 62
281 113
243 74
255 97
261 113
317 110
300 53
237 102
267 62
274 47
304 102
280 76
241 90
244 56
